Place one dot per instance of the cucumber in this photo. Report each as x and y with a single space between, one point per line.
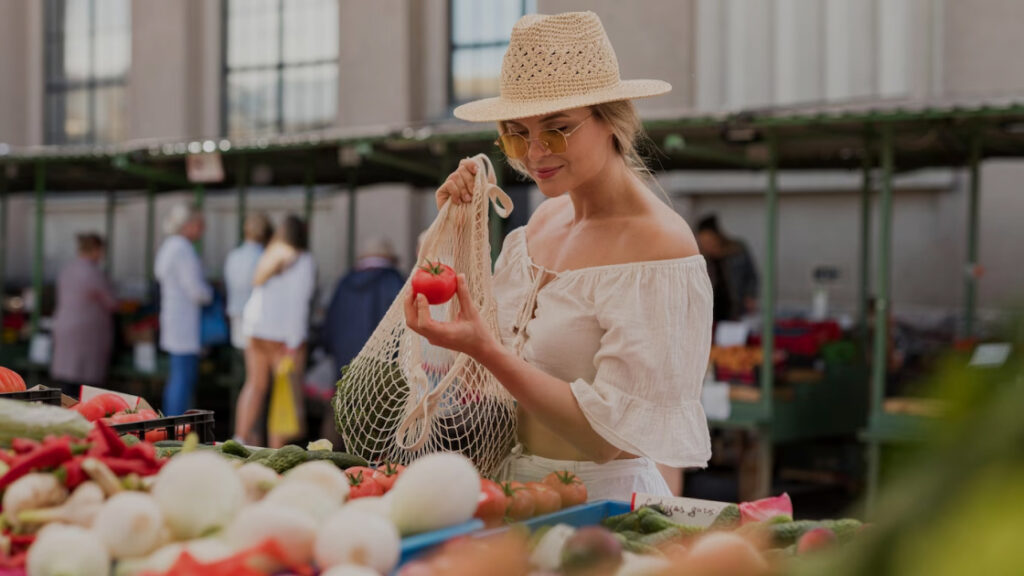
342 460
168 444
727 519
844 528
234 448
130 439
37 421
286 458
261 455
788 533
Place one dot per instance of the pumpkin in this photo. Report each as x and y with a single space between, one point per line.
10 381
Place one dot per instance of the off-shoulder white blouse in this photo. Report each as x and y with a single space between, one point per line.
631 339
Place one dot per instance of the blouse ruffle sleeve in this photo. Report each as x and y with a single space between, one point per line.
645 397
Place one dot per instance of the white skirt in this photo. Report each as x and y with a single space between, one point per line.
616 480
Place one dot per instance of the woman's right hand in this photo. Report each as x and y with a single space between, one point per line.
459 185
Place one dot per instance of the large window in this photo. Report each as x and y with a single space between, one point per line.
88 54
479 36
281 66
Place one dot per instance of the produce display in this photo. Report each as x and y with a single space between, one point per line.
78 498
755 538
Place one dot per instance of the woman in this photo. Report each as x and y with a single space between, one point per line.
183 292
604 301
83 327
276 323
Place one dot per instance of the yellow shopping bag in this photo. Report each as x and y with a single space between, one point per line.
281 417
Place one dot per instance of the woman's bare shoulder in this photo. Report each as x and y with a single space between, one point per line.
662 236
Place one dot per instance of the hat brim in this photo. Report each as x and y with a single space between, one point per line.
498 109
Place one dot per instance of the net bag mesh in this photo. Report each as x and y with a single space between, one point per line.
401 397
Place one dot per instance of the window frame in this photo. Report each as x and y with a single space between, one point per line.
525 7
56 83
279 68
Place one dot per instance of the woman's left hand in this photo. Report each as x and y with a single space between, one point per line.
467 333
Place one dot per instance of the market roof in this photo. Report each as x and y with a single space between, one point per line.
927 133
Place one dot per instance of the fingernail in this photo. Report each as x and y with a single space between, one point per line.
466 197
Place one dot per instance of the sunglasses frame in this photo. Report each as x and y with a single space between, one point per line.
529 141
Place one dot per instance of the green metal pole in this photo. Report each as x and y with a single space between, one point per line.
109 232
3 236
865 240
768 288
199 198
310 189
150 225
880 364
353 185
37 260
970 288
243 175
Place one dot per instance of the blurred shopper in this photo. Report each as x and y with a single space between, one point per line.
239 269
276 322
360 300
83 325
731 268
183 291
358 304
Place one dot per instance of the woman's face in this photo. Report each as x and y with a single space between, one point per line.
588 149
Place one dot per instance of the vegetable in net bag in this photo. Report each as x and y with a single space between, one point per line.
401 397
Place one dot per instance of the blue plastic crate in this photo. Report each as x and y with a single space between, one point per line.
413 546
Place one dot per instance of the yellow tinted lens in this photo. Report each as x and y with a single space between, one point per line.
554 141
513 145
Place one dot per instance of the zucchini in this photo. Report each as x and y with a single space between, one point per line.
37 421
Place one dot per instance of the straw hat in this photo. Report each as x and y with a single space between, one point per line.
556 63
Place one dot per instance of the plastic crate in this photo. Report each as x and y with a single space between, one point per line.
413 546
173 427
51 396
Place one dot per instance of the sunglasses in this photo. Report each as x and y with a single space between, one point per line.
517 146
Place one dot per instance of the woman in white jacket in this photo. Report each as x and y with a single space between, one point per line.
183 292
276 323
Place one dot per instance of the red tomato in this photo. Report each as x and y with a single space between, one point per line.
492 504
11 381
156 435
568 486
148 414
109 403
126 417
387 474
89 410
361 483
436 281
546 498
521 504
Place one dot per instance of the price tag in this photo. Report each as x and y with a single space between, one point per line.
687 511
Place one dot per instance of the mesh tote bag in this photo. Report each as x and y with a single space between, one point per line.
401 397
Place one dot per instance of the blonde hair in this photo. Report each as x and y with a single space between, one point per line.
628 137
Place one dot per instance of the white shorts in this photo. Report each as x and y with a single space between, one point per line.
616 480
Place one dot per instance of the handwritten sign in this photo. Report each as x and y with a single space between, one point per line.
688 511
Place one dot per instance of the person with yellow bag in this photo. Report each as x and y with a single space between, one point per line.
276 324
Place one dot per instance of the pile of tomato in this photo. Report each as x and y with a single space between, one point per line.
515 501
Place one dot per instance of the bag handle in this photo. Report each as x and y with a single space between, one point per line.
413 430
